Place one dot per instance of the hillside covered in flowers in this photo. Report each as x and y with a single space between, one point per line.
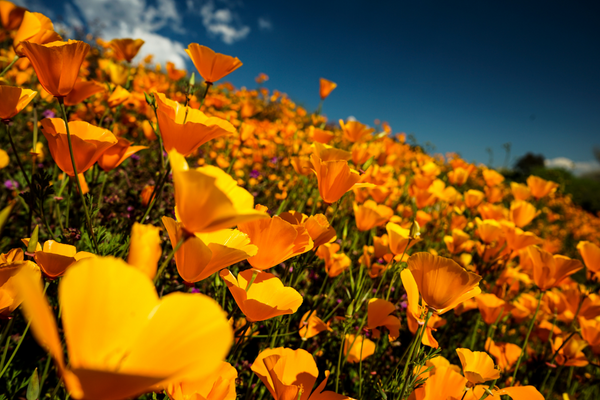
165 235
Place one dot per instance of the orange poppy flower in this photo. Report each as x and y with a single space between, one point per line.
473 198
11 15
493 194
119 96
121 338
219 385
506 354
54 258
354 130
379 314
146 194
197 129
399 238
590 331
261 295
571 354
522 213
326 87
57 64
590 254
89 143
540 187
211 66
520 191
319 229
34 28
291 375
478 366
459 242
492 178
144 248
126 49
550 270
277 240
116 154
203 254
489 230
13 100
82 90
414 312
320 135
335 263
11 264
357 348
370 214
442 283
207 199
517 239
311 326
445 383
458 176
491 307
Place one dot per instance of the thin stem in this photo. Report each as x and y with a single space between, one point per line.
76 177
12 144
417 345
9 66
20 341
169 258
524 348
155 195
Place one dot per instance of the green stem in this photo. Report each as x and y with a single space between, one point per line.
524 348
168 260
474 334
76 177
417 345
12 144
155 195
339 363
9 66
20 341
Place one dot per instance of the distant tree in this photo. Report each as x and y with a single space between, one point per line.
526 164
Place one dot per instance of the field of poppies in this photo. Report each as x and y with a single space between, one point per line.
164 235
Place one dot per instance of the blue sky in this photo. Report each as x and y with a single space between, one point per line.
464 75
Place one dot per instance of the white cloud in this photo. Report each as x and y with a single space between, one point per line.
223 23
136 19
264 24
577 167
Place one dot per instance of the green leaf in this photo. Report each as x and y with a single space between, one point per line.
33 389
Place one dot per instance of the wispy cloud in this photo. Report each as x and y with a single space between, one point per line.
577 167
124 18
264 24
223 23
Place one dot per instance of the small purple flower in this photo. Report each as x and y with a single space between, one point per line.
135 157
130 208
274 160
254 174
48 114
11 185
195 290
291 269
339 301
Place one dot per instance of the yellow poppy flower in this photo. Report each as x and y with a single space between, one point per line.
207 199
123 340
442 283
203 254
261 295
